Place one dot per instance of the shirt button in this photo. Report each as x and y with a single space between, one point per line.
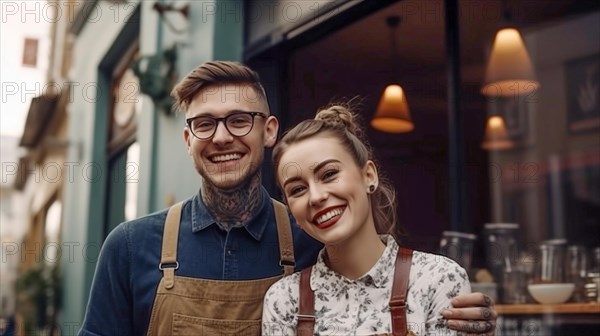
228 252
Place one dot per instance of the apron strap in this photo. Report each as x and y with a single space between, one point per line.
399 291
306 309
306 306
168 259
284 233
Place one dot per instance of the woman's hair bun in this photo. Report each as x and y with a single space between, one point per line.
339 115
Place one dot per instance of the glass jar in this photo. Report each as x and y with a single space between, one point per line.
459 247
576 271
592 284
502 254
549 266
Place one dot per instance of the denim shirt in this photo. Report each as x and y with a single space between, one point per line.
127 274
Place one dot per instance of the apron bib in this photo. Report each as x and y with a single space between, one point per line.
191 306
306 305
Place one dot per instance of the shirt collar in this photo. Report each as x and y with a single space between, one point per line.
378 276
201 217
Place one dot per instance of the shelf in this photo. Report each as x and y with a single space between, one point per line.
564 308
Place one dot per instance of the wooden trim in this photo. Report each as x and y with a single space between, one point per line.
564 308
81 16
331 18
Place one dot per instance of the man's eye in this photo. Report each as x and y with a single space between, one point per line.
239 121
203 124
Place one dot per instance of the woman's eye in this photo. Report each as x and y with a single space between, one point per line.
329 174
295 190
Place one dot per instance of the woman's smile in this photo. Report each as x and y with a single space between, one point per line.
328 217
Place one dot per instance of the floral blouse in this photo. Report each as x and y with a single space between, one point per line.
361 306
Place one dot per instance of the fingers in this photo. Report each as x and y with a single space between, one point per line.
472 313
472 300
473 327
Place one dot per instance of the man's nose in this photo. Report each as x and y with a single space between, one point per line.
222 135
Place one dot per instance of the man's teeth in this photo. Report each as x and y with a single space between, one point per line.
329 214
226 157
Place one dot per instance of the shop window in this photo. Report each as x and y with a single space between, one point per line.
30 52
122 146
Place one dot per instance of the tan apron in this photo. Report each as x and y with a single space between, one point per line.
190 306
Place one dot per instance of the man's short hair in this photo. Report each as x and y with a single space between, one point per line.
215 73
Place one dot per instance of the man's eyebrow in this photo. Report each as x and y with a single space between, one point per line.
210 114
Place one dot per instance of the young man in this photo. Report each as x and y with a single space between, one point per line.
203 266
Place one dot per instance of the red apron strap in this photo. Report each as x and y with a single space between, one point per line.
306 307
399 292
306 313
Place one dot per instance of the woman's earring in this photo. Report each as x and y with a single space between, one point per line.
371 189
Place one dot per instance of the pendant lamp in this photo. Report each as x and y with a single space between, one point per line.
393 114
496 135
509 71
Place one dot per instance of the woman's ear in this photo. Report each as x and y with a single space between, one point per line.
370 175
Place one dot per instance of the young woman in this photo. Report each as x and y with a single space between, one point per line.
362 280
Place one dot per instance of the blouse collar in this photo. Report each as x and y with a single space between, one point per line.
380 275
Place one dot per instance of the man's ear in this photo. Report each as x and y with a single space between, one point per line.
187 139
370 175
271 129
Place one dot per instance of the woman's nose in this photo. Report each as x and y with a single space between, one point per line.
317 196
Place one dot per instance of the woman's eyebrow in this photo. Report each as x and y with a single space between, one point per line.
319 166
315 168
290 180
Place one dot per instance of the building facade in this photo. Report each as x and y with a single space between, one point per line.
121 151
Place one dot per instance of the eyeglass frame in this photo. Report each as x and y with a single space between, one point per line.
188 123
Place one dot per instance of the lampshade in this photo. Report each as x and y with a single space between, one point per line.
496 136
393 115
509 71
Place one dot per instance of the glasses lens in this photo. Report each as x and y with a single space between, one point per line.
203 127
239 124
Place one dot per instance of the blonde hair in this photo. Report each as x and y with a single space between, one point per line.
340 122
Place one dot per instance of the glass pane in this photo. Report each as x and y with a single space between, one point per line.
52 232
548 178
131 181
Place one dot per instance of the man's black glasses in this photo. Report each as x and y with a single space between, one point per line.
237 124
